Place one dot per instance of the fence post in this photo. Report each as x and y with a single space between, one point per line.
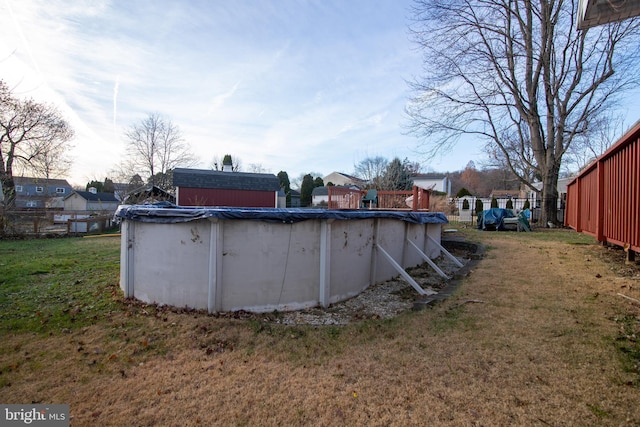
600 201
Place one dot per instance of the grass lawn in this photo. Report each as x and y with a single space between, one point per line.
537 334
56 284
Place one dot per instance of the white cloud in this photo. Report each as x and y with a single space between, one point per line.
294 86
219 100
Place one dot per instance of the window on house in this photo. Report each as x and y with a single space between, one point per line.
39 189
60 190
18 188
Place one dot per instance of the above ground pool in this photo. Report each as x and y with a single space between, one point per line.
260 260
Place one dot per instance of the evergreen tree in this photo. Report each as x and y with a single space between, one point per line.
306 188
509 204
108 186
135 182
95 184
479 206
397 175
285 184
463 192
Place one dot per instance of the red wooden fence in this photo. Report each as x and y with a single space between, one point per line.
417 199
345 198
604 200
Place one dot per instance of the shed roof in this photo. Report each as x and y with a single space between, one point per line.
201 178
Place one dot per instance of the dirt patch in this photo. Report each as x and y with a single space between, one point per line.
538 347
388 299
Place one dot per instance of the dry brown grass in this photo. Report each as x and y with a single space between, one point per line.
537 350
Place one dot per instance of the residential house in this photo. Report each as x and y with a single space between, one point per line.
339 178
508 194
295 198
433 181
80 201
320 196
562 192
40 193
198 187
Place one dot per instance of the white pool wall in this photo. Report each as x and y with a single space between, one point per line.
244 264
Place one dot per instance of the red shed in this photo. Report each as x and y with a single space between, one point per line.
199 187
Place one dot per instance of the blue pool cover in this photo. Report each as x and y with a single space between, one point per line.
168 213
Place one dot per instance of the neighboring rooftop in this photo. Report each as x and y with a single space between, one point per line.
95 197
431 175
202 178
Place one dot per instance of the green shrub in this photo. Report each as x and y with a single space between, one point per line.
479 206
526 205
509 204
465 204
463 192
494 203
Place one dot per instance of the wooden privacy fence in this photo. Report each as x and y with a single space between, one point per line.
416 200
345 198
604 200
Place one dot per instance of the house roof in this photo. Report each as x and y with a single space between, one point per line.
25 180
324 191
201 178
352 178
429 175
94 197
320 191
503 194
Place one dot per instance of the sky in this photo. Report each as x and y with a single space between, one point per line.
295 85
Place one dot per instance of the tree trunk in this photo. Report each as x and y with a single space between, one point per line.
549 213
8 191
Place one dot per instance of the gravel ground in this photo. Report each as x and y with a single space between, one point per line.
381 301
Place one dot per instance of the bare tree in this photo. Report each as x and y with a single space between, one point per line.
518 75
257 168
371 170
34 138
156 146
218 164
52 163
602 133
297 181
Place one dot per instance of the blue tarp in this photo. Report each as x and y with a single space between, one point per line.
168 213
492 219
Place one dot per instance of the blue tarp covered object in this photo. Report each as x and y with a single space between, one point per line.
492 219
168 213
